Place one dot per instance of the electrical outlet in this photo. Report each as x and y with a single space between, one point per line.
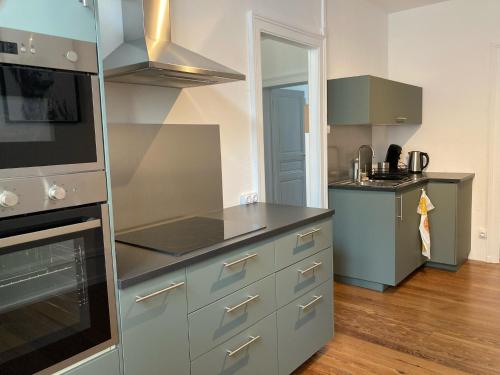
483 234
249 198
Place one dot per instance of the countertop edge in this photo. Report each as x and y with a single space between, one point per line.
224 247
405 186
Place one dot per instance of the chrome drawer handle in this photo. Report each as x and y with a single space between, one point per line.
310 233
230 353
401 119
240 305
167 289
244 259
315 265
314 301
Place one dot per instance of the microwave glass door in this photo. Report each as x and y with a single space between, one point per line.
46 117
53 296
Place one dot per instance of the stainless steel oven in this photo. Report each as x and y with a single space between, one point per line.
57 300
50 114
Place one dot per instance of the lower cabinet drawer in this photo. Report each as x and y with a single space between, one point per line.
305 275
304 326
303 242
249 353
217 277
219 321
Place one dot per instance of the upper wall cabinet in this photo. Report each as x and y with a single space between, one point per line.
65 18
372 100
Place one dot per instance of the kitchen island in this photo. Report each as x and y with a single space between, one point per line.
257 303
376 227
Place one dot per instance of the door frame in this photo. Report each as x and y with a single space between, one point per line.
493 194
317 183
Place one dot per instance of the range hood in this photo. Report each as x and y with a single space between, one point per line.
148 56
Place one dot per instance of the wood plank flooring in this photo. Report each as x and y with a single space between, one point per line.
435 322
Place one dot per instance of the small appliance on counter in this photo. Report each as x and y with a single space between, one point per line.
392 156
416 162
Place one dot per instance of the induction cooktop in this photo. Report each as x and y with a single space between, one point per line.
186 235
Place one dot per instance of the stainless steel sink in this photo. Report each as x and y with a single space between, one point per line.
375 183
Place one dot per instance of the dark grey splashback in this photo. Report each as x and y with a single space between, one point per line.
160 172
343 144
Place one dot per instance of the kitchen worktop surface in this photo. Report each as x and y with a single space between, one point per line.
416 179
135 264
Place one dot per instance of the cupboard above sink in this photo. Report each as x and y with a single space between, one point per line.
373 101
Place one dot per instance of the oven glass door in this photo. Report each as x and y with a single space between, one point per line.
47 117
54 300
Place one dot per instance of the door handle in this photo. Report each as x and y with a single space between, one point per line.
249 299
400 216
314 266
49 233
157 293
85 3
251 340
244 259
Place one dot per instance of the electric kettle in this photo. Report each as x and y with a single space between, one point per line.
416 161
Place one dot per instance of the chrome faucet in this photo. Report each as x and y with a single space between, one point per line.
362 163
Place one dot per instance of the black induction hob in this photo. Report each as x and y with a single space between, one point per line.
186 235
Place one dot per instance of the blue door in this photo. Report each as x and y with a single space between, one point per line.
73 19
285 147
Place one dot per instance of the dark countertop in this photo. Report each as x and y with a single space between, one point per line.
135 264
418 179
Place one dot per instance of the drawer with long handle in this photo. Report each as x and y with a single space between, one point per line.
302 276
303 242
222 319
304 326
153 316
251 352
217 277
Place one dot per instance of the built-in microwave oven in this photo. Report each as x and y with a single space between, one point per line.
50 110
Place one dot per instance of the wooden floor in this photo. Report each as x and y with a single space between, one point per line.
436 322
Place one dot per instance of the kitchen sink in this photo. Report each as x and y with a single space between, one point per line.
374 183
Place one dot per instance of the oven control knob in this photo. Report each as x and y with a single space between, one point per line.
8 199
57 193
72 56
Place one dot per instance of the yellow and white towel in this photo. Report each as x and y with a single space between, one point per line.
425 205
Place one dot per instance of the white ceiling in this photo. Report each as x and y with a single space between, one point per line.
392 6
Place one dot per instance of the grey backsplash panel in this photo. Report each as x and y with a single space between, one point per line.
160 172
343 144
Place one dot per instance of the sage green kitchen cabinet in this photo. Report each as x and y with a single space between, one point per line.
373 100
376 238
108 363
234 324
304 326
450 223
73 19
154 326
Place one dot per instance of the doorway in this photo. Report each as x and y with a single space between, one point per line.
286 117
288 97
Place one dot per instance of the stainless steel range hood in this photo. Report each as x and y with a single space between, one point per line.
148 56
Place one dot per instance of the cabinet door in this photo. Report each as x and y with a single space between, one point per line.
408 244
155 329
108 363
394 102
442 221
64 18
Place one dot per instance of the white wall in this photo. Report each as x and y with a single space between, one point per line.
218 30
356 39
446 48
357 44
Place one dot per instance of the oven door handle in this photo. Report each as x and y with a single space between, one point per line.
49 233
